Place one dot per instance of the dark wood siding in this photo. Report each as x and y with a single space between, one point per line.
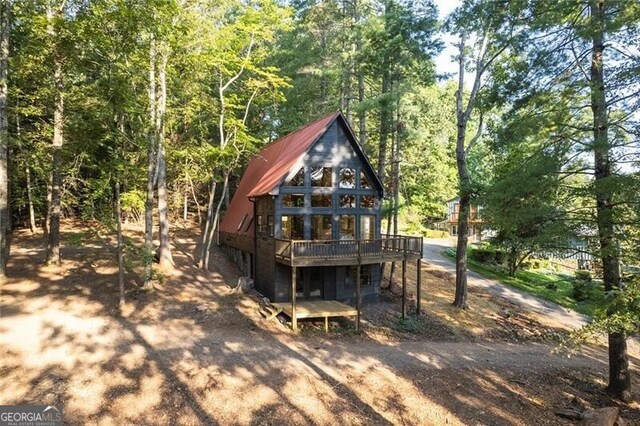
333 150
265 250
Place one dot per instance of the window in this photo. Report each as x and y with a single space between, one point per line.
473 213
364 182
321 176
347 201
365 275
347 227
293 227
347 178
293 200
260 225
321 200
298 178
367 201
367 227
270 225
322 226
454 230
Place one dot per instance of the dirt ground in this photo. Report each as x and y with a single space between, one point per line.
195 352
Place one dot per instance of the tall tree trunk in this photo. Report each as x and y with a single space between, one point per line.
207 225
45 224
53 246
185 206
151 169
214 222
195 199
120 246
5 217
384 127
166 260
185 197
32 214
460 300
619 375
362 115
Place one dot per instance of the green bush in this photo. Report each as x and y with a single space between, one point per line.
488 256
583 275
432 233
132 200
582 290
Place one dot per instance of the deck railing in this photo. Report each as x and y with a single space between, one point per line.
334 249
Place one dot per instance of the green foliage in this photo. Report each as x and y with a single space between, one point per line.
487 255
429 171
132 201
583 290
583 275
412 324
432 233
620 314
555 287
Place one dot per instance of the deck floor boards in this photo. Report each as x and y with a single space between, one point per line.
318 309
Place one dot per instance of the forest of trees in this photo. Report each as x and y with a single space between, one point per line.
138 105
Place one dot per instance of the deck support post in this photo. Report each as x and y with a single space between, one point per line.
358 298
404 288
294 320
418 285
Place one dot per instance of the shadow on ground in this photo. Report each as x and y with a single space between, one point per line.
195 352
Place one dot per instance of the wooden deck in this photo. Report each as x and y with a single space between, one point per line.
389 248
316 309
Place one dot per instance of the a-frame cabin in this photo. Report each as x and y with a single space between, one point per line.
305 218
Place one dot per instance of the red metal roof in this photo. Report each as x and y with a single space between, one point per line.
266 171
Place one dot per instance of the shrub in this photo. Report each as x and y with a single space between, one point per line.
488 256
583 275
582 290
432 233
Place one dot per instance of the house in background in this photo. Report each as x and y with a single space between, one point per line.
476 223
304 222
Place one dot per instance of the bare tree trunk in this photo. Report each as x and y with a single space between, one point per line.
151 167
166 260
215 221
227 199
348 18
185 206
393 213
362 115
120 246
45 225
195 199
384 127
185 197
32 214
5 217
460 299
619 375
207 225
53 246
